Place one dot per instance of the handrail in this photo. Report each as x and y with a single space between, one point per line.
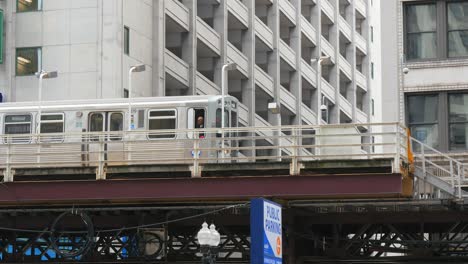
293 144
438 164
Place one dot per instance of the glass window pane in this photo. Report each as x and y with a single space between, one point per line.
164 113
427 134
421 18
458 43
126 40
422 46
423 109
18 129
457 15
28 5
27 61
17 118
458 135
157 124
116 122
218 118
52 127
96 123
458 107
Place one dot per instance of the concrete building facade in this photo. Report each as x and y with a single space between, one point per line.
425 65
184 44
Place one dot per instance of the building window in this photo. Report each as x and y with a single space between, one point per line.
436 29
423 118
439 120
457 26
28 61
28 5
162 120
126 40
458 121
421 31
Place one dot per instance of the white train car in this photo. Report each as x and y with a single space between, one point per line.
103 121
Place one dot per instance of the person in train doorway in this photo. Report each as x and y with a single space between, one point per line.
201 125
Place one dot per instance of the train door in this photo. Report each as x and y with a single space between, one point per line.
105 128
196 119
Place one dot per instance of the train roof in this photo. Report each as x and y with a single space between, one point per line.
115 102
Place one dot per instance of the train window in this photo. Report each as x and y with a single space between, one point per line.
115 124
218 120
196 119
141 118
96 122
52 123
233 123
18 124
161 120
233 119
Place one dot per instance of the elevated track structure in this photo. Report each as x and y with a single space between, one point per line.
350 192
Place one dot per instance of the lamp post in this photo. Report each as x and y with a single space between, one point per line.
42 75
226 67
209 240
137 68
319 83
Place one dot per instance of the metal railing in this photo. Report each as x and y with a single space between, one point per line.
196 147
437 165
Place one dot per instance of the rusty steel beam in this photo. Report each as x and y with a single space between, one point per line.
202 189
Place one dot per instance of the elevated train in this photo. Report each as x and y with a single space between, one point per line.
108 118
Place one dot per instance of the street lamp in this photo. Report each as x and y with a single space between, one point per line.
209 240
226 67
319 82
43 75
137 68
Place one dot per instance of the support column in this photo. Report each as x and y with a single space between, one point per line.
296 80
316 12
274 60
220 25
335 72
248 85
159 48
353 100
274 71
189 46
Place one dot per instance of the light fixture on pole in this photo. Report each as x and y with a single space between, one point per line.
209 240
42 75
319 81
226 67
324 109
137 68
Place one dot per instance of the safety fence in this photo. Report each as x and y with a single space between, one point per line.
196 147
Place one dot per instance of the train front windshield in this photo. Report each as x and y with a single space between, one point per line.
230 117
